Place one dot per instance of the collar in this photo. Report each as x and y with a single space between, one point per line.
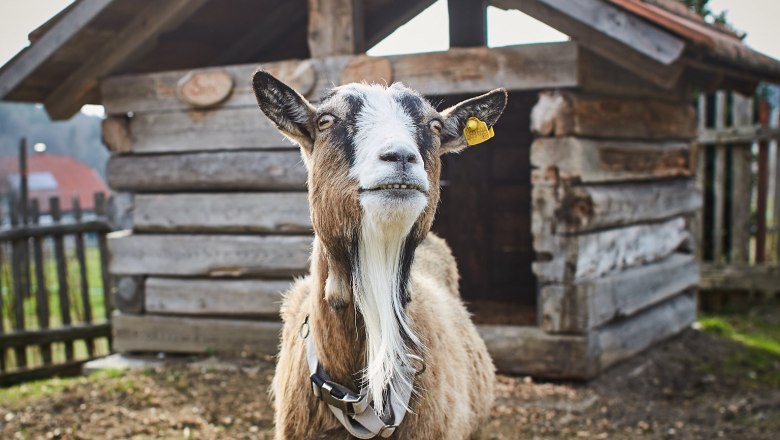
353 410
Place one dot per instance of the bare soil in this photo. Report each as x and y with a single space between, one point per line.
681 389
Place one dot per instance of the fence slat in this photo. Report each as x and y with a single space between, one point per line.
762 186
700 156
19 284
62 274
101 211
82 261
742 115
719 183
2 321
41 292
775 123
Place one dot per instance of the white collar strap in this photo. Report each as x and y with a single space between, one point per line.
353 410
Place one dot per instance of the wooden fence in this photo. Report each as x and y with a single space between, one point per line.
738 165
53 279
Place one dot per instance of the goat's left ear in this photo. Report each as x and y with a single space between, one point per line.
287 109
487 108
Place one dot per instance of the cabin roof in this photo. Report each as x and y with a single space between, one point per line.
93 39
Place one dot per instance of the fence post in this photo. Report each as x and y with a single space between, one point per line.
719 182
742 116
763 184
41 292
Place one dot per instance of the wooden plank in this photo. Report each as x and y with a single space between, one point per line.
49 43
51 335
738 135
285 213
775 123
719 182
590 255
626 40
586 208
191 335
741 162
624 339
42 309
587 304
209 255
762 278
259 298
66 369
456 71
18 276
594 161
572 114
40 231
244 170
336 27
129 294
62 273
699 153
146 25
468 22
81 257
762 187
529 350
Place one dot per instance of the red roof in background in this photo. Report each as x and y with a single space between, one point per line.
71 177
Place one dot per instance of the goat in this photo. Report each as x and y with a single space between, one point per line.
382 292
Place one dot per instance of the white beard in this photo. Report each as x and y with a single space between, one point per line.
378 297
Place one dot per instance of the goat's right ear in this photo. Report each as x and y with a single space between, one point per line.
287 109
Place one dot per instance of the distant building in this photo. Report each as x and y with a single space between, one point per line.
51 175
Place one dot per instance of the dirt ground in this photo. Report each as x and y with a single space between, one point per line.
686 388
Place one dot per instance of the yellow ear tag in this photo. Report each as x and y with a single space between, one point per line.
477 131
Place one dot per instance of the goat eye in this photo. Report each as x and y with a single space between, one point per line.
436 126
325 121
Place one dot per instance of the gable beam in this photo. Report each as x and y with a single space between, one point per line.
468 22
624 39
157 17
336 27
50 42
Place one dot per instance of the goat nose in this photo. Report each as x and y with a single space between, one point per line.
400 156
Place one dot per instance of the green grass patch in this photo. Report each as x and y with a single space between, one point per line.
11 396
759 362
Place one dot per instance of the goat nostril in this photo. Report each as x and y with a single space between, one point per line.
390 157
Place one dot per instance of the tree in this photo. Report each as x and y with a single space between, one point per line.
701 7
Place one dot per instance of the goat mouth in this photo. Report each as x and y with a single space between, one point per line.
395 187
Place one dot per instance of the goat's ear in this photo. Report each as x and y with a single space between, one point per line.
487 108
287 109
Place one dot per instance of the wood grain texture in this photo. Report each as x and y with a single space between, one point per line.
128 294
592 161
573 114
283 213
586 304
208 255
149 333
741 186
215 297
740 277
586 208
459 70
336 27
571 258
626 338
236 170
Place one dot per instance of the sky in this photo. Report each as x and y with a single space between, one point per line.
428 31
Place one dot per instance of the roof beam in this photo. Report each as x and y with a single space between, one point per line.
49 43
157 17
468 22
336 27
624 39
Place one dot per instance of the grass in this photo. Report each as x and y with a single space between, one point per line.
759 333
48 387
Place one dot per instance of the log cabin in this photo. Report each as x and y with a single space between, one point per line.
572 228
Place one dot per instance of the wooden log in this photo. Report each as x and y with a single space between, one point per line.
586 208
740 277
81 257
529 350
259 298
62 273
741 188
129 294
285 213
587 304
593 161
208 255
119 210
624 339
590 255
191 335
336 27
457 71
244 170
573 114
